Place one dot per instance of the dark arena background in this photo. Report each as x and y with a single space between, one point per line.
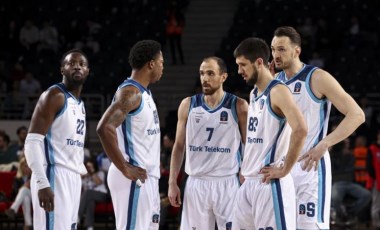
342 37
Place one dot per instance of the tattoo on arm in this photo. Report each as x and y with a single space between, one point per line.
126 101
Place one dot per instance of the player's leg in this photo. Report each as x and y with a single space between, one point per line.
67 188
243 210
224 192
125 196
39 214
197 212
313 193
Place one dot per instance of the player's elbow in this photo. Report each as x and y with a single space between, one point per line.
101 129
300 131
360 116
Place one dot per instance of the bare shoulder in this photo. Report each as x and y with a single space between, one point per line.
280 95
324 84
241 104
279 89
185 104
52 99
49 104
128 98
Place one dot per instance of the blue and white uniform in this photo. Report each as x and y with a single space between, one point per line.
139 140
259 205
63 147
313 188
213 153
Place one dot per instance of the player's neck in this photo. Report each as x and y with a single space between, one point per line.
294 69
213 100
141 78
263 81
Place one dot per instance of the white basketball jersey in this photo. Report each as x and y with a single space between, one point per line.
267 138
64 141
316 111
139 134
213 141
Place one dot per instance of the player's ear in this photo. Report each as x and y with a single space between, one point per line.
298 50
151 64
224 76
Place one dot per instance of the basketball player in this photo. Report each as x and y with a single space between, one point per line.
130 134
314 90
54 147
211 127
276 132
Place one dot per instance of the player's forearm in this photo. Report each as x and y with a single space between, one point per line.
176 163
108 138
297 140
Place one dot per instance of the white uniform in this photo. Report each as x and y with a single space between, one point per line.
139 139
313 189
64 155
213 149
259 205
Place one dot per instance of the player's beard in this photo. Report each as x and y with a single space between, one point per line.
209 90
74 81
251 81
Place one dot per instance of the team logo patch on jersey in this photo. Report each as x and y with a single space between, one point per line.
155 114
155 218
224 116
73 226
228 225
302 209
297 87
262 101
197 118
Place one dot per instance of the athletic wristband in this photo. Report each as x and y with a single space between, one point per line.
34 154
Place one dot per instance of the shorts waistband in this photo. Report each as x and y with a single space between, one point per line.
214 177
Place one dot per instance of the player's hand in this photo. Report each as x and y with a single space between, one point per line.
312 157
46 198
241 178
134 173
174 194
270 173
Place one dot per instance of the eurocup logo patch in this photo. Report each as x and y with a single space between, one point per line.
228 225
302 209
73 226
155 218
262 101
297 87
224 116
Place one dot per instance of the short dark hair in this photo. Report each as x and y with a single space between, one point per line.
290 32
143 52
73 51
252 49
19 129
222 65
5 137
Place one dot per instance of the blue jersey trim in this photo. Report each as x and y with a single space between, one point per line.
128 142
278 204
233 108
63 88
321 189
132 206
49 155
130 81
